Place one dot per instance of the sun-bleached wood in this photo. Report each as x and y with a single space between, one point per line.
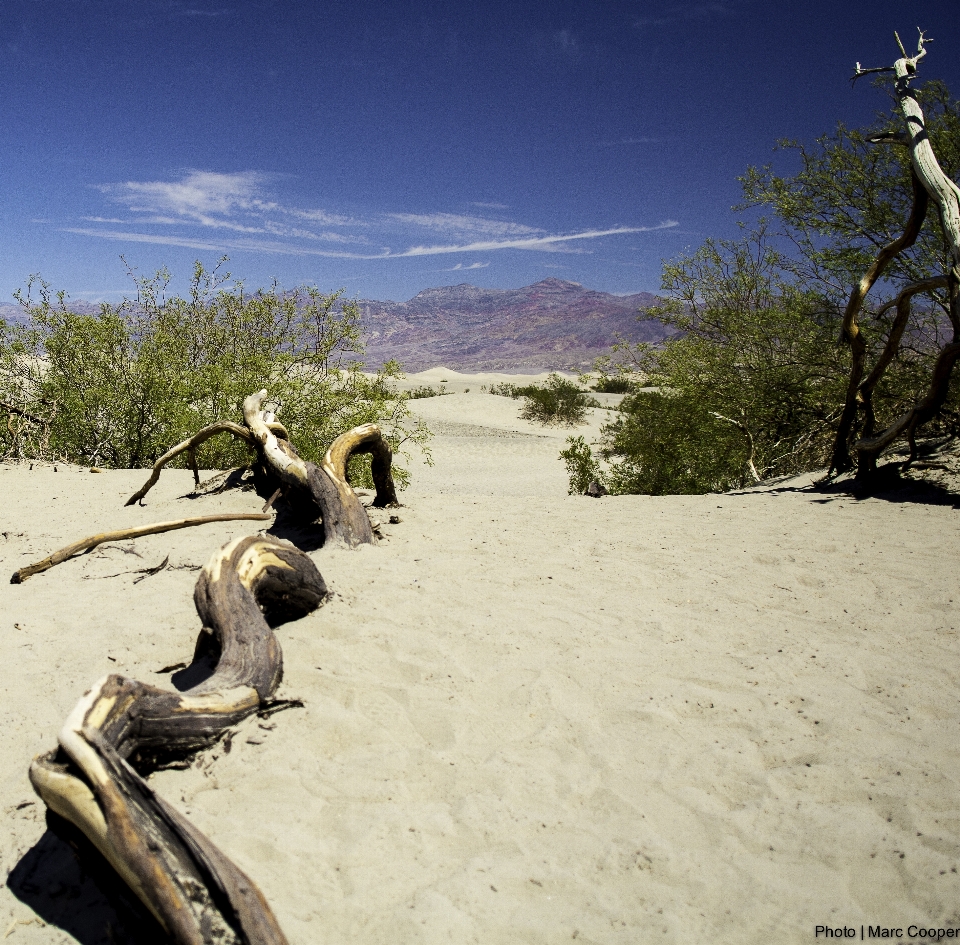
189 446
345 520
123 727
138 531
930 184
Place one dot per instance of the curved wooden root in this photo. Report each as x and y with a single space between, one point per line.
345 520
194 891
85 544
190 445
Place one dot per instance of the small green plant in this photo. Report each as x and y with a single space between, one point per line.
582 466
557 401
423 391
614 384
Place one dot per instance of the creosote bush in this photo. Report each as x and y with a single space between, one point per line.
614 384
557 401
424 390
121 386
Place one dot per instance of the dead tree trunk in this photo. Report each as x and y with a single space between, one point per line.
122 727
345 520
930 184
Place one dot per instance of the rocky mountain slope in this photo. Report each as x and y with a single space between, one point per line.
550 325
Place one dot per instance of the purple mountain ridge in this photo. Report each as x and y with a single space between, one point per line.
551 325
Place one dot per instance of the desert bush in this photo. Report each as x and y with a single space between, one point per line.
423 391
120 387
752 381
614 384
557 401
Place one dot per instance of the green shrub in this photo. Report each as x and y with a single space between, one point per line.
582 466
614 384
556 402
423 391
120 387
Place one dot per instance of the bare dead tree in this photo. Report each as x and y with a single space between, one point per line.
930 185
122 728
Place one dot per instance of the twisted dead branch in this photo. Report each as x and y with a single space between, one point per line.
122 729
86 544
326 487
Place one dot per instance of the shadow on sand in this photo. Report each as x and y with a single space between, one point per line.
66 881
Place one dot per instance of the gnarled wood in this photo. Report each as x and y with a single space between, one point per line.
892 347
345 520
194 891
850 327
85 544
189 446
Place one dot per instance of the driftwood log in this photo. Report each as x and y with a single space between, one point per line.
344 518
123 728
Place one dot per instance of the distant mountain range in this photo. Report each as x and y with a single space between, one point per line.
550 325
553 324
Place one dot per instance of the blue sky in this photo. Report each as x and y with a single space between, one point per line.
387 147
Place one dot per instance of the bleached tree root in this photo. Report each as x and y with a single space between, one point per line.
189 446
122 725
345 520
85 544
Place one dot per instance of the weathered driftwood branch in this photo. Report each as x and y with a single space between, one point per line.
870 448
890 350
850 328
189 446
122 725
85 544
345 520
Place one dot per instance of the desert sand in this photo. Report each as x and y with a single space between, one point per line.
528 717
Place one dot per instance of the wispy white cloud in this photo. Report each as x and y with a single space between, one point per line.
536 242
460 267
203 196
220 245
209 210
463 225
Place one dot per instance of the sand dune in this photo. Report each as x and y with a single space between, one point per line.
529 717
